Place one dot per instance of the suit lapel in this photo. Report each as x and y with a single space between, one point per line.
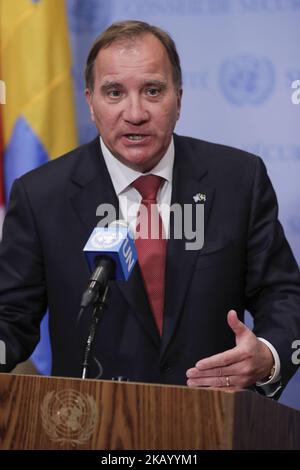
189 179
134 292
92 186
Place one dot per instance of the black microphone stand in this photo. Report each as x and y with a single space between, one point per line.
100 304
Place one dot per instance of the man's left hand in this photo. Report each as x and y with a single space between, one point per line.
248 362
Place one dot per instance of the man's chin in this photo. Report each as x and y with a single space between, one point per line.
138 161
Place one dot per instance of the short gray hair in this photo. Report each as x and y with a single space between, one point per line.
129 29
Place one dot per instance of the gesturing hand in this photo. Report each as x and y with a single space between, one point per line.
248 362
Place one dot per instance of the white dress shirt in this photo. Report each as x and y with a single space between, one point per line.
129 198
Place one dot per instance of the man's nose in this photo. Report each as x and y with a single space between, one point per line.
135 111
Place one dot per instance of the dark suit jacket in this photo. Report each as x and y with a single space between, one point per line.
245 263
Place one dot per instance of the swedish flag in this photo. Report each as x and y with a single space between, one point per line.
35 60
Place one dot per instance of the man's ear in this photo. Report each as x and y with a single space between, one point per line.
179 98
89 100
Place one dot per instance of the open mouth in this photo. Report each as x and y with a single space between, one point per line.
135 137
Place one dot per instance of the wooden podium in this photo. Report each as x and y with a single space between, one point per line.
61 413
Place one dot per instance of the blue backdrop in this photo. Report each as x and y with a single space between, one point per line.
239 59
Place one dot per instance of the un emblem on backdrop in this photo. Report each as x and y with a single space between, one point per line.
88 17
247 80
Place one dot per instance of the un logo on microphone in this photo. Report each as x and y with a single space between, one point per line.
106 239
247 80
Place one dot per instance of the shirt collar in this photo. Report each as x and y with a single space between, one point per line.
122 176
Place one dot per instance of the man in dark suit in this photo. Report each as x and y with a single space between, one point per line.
177 320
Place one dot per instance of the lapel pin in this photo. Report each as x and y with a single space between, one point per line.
200 197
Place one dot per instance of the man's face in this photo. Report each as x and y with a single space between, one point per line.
135 104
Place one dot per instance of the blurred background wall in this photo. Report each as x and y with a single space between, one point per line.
239 60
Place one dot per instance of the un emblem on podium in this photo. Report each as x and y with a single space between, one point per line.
69 416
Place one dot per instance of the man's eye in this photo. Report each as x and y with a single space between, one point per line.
153 91
114 94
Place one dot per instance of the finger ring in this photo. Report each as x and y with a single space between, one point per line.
227 381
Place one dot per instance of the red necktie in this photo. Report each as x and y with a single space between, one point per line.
151 245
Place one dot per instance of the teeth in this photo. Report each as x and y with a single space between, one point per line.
135 136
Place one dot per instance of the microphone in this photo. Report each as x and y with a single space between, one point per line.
111 254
